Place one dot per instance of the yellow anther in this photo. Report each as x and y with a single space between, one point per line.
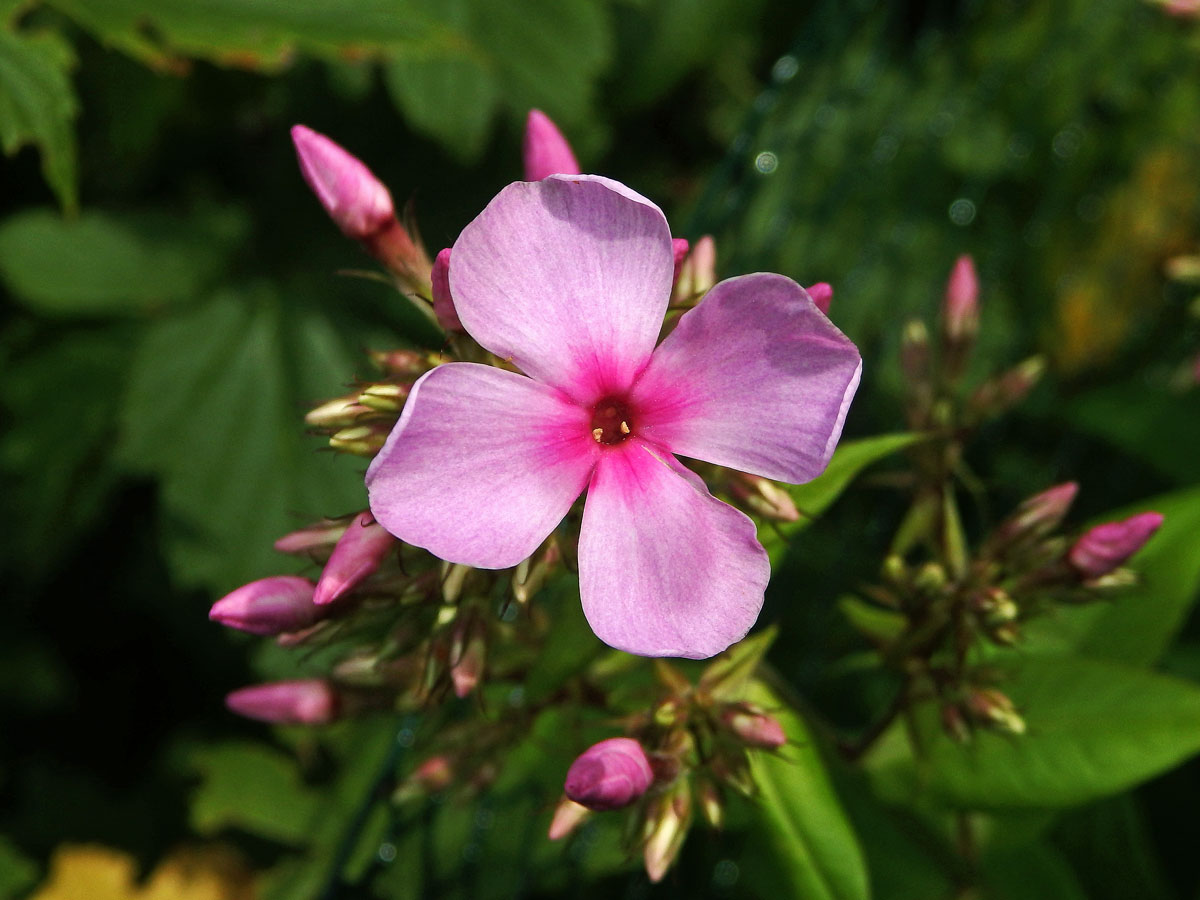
624 428
598 434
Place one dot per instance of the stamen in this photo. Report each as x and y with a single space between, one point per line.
624 427
598 434
612 420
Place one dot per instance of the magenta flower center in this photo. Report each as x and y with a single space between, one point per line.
612 421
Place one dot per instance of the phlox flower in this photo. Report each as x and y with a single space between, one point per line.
569 278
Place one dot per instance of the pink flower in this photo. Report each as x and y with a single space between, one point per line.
609 775
1107 546
546 151
354 198
569 279
268 606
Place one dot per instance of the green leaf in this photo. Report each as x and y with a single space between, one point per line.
38 106
816 496
101 264
17 872
251 787
1137 624
802 820
1032 872
1094 728
1112 848
726 676
213 408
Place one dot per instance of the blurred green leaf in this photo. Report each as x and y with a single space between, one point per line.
1113 852
1138 624
802 820
38 106
209 410
451 98
254 788
102 264
60 394
1094 728
17 872
1032 872
813 498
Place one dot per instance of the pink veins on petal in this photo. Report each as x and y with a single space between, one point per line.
569 278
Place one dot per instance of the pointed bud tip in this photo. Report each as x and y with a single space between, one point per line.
822 295
546 151
359 552
1105 547
269 606
443 302
303 702
354 198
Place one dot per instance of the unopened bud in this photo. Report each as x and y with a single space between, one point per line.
712 803
466 666
666 827
1039 514
342 412
385 397
697 273
990 707
822 295
1184 268
568 816
995 606
315 538
545 149
533 573
359 552
754 727
960 311
354 198
361 440
1107 546
930 578
268 606
955 724
412 363
609 775
1008 389
1006 634
763 496
305 702
443 303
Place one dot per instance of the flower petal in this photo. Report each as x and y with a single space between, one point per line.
569 278
665 569
755 378
481 466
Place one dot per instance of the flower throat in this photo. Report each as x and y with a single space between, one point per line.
611 421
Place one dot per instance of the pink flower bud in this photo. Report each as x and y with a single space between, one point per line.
305 702
609 775
568 816
443 303
762 496
314 538
1107 546
354 198
358 553
822 295
960 314
754 727
679 247
546 150
268 606
1040 513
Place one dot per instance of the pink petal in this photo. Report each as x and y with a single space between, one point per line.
569 278
481 466
755 378
665 569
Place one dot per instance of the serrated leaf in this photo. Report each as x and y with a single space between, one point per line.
213 408
38 106
802 819
813 498
1094 728
102 264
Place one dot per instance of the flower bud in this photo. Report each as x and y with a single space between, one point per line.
354 198
314 538
754 727
305 702
992 708
712 803
995 606
468 656
359 552
960 312
609 775
343 412
914 352
412 363
268 606
361 440
384 397
568 816
430 777
697 273
763 496
1041 513
443 303
1107 546
545 149
822 295
679 246
1008 389
666 827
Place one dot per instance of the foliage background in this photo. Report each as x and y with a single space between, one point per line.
172 303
